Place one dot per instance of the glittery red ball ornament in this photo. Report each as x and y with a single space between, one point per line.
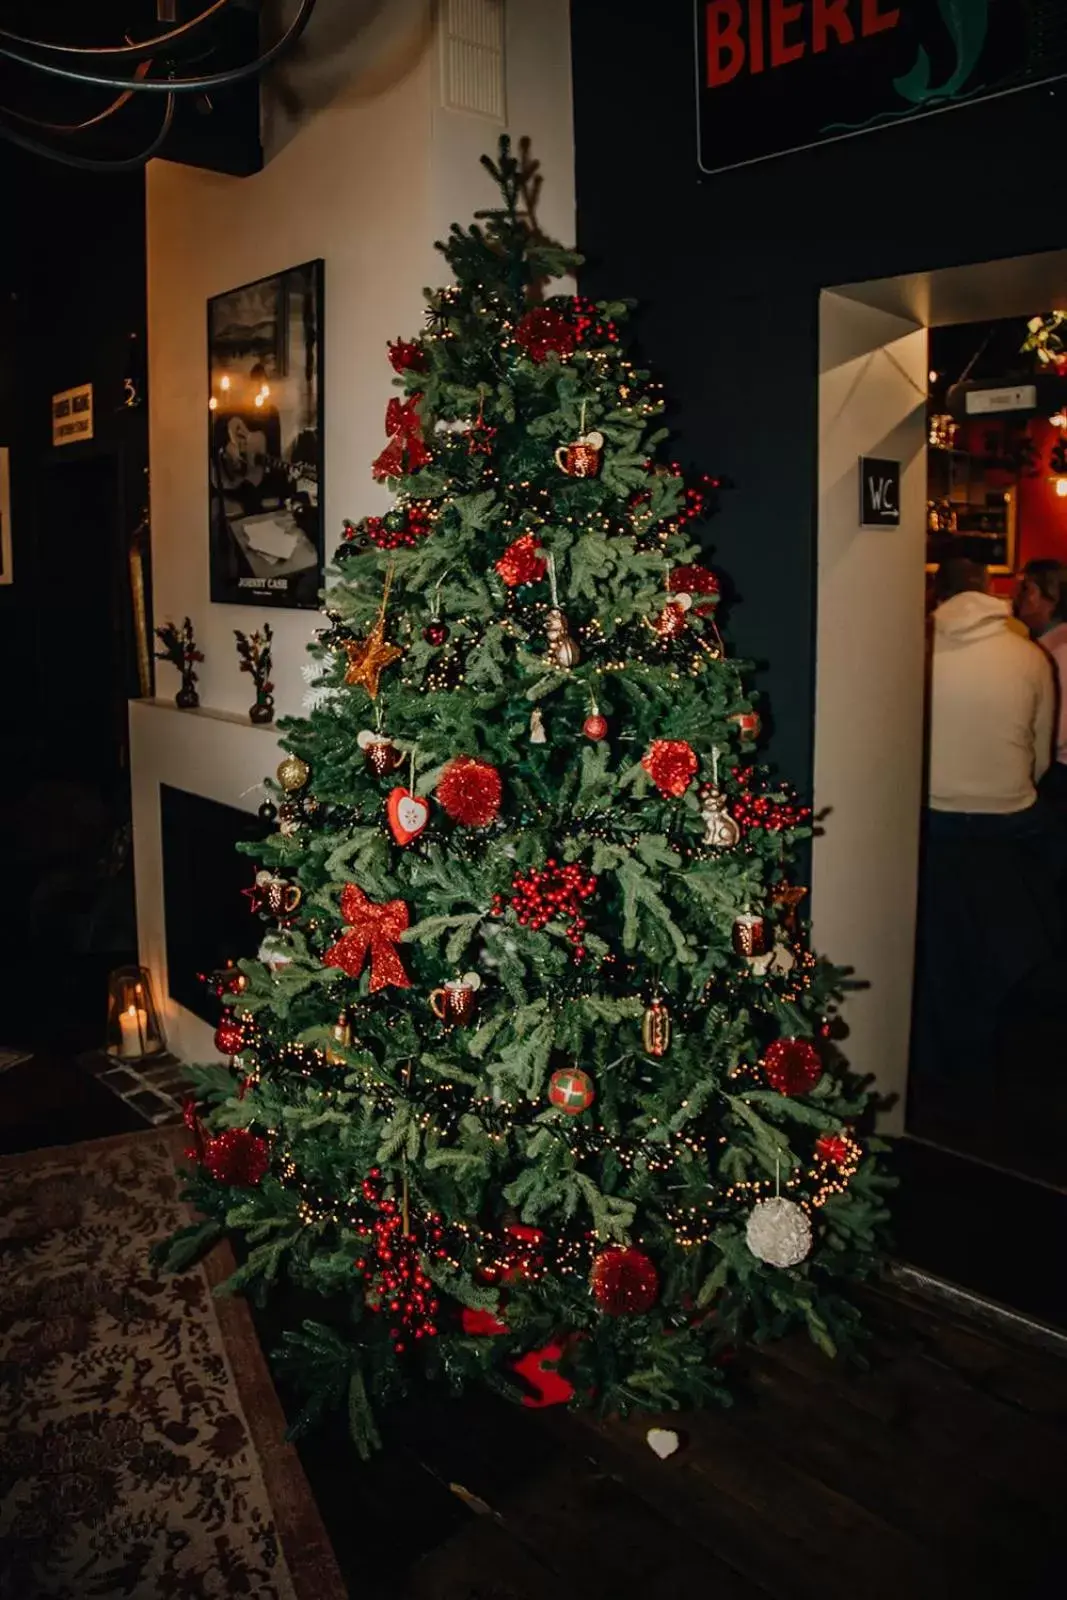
435 632
697 581
543 332
624 1281
571 1090
406 356
792 1066
671 764
470 791
237 1157
229 1036
832 1148
595 727
522 561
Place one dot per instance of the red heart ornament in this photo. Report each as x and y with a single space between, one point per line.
407 814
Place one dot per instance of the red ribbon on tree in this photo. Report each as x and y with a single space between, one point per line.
375 928
406 449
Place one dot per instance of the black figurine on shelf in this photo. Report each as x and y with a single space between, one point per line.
179 648
254 651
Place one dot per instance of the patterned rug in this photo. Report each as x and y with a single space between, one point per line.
141 1441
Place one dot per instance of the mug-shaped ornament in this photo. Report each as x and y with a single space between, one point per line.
721 830
750 934
455 1001
380 754
582 458
280 898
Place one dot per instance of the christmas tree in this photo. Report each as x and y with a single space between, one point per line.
533 1081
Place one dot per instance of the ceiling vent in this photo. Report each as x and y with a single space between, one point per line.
472 57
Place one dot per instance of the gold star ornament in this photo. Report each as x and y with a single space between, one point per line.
369 657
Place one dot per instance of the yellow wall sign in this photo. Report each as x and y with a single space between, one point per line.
72 415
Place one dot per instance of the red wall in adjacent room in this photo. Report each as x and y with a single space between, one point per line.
1042 514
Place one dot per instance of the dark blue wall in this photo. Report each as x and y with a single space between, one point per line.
728 270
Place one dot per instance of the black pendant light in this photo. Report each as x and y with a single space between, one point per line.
192 58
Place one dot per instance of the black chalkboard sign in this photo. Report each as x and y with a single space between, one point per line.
879 493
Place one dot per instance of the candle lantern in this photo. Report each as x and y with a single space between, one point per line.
133 1027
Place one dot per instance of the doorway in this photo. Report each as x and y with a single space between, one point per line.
954 1207
73 877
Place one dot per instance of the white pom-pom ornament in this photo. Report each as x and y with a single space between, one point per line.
778 1232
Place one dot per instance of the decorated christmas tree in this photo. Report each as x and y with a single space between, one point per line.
534 1079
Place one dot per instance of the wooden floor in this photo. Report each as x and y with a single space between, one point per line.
942 1471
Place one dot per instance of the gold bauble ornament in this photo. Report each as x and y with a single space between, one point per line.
293 774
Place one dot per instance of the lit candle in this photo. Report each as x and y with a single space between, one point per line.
132 1028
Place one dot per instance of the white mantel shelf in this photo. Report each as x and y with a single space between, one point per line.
233 717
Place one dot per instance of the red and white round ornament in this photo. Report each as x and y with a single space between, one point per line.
571 1090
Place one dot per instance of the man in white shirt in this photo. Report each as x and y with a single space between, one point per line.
992 705
989 914
1041 603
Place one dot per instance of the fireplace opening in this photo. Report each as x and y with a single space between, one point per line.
208 921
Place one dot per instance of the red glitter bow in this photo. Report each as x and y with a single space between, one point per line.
375 928
406 449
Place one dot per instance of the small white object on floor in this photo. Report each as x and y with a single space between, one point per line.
664 1441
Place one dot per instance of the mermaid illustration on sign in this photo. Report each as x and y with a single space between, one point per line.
968 24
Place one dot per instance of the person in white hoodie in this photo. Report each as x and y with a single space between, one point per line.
989 914
992 705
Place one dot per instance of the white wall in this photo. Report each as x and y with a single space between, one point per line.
365 169
869 689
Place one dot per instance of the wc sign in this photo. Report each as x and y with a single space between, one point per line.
879 493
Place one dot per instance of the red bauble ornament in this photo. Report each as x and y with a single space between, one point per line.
833 1149
435 632
522 561
470 792
543 332
700 583
595 727
237 1157
229 1036
406 356
571 1090
671 764
624 1281
792 1066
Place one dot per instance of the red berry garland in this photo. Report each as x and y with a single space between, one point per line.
624 1281
229 1036
236 1157
792 1066
588 324
753 808
470 791
543 894
543 332
406 356
522 561
396 1284
671 764
397 530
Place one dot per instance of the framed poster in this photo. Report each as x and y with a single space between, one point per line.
265 440
6 575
